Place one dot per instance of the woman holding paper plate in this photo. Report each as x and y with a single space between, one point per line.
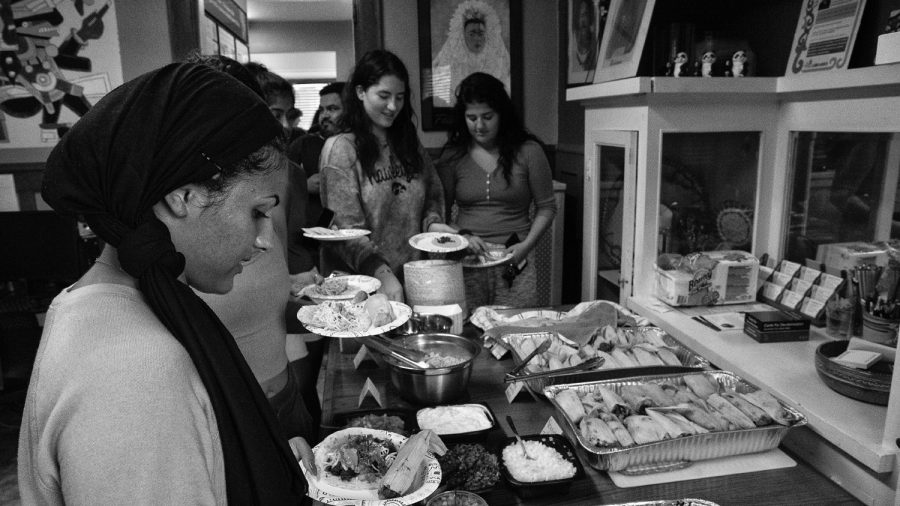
377 176
494 171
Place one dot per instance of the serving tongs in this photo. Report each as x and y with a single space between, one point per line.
587 365
544 346
413 358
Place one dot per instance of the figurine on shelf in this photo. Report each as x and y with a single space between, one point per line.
678 66
705 67
737 66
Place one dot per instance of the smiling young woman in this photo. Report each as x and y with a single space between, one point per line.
377 175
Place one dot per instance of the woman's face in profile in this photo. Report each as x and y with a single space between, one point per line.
475 36
222 235
383 101
483 122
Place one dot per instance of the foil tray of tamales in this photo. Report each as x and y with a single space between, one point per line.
654 423
624 351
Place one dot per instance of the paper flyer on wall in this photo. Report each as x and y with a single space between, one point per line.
825 35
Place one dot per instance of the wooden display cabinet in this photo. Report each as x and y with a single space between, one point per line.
633 127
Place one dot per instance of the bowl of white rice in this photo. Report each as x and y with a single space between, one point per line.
553 469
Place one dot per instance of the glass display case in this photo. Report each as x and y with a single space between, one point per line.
776 166
840 181
707 191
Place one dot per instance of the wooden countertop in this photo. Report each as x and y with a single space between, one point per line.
798 485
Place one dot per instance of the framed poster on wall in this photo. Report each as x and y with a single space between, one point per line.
587 19
59 59
209 36
241 51
226 43
462 37
623 39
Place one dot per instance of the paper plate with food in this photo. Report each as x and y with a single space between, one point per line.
340 288
369 467
331 234
489 258
352 318
438 242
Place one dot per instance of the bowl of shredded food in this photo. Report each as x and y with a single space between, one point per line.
449 358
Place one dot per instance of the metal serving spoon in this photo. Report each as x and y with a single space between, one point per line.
512 426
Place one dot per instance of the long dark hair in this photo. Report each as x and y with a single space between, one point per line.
401 135
481 88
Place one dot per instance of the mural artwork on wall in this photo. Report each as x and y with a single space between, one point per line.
57 58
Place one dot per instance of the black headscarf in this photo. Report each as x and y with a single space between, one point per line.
165 129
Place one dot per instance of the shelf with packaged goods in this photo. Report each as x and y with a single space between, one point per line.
881 79
788 370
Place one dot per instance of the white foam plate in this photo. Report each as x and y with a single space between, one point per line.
328 234
401 310
355 283
329 494
438 242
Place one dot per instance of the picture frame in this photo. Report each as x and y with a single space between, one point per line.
823 40
446 56
623 39
586 23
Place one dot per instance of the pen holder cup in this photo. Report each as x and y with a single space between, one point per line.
879 330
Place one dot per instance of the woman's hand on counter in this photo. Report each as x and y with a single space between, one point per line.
303 452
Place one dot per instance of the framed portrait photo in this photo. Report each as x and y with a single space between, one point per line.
587 19
623 39
460 37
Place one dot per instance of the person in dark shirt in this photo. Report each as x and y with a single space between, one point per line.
305 150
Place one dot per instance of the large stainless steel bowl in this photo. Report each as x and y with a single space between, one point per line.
438 385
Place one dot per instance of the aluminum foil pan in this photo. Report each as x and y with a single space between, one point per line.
669 502
689 360
672 453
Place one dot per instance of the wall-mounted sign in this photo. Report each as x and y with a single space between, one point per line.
229 15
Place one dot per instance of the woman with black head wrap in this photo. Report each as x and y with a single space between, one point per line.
139 393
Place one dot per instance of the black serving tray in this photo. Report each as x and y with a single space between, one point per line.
476 436
340 419
527 490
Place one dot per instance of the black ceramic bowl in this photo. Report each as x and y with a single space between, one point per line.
872 385
527 490
342 419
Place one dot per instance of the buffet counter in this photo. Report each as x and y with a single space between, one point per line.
343 383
